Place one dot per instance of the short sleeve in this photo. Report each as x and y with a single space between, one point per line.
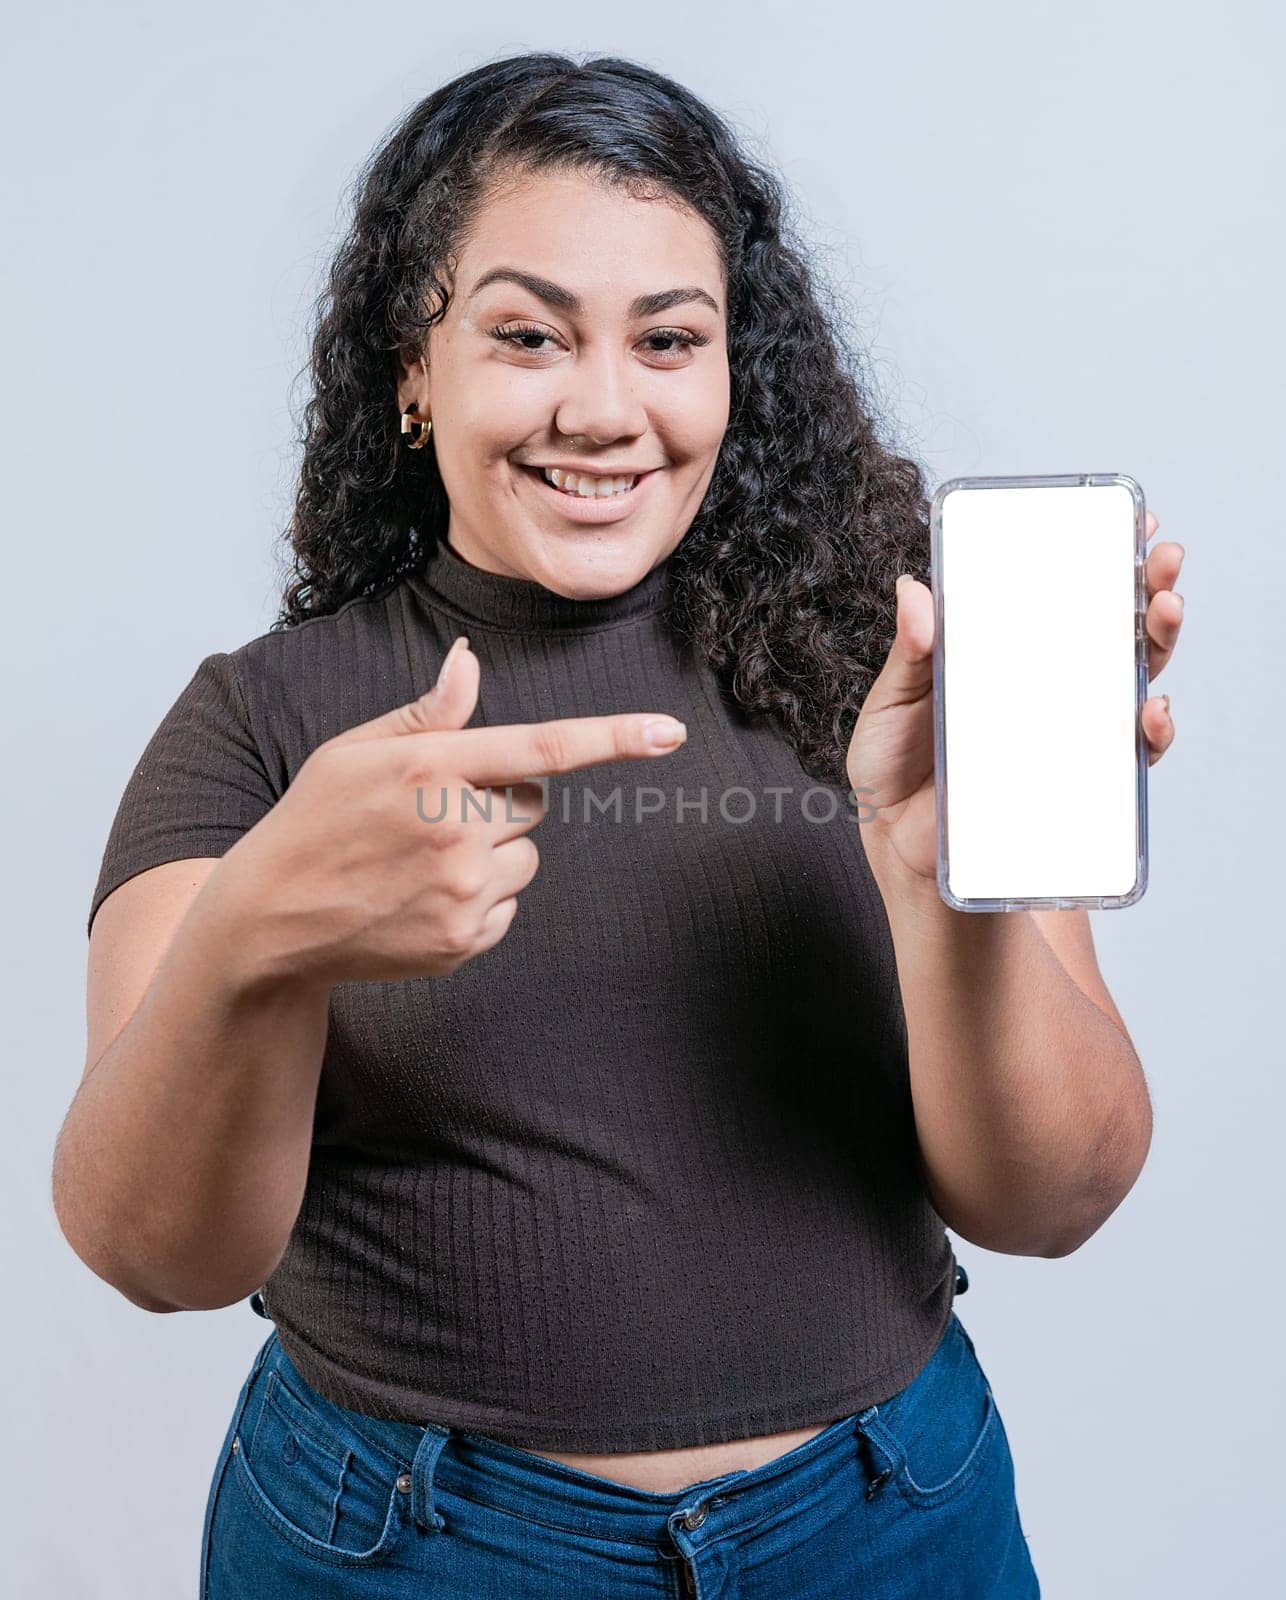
200 784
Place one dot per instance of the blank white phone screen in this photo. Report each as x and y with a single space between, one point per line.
1039 686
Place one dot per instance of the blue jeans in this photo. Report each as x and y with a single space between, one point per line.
913 1497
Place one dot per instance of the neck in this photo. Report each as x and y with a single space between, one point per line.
488 599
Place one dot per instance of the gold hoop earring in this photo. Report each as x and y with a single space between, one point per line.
419 428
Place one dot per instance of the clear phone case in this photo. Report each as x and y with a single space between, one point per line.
1127 805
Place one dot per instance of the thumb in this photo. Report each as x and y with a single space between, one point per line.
907 674
447 705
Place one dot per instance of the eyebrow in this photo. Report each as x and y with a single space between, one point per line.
645 305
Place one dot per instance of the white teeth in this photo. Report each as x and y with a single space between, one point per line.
588 488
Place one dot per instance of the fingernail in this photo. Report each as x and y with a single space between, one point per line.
445 668
1179 598
664 733
1166 698
903 578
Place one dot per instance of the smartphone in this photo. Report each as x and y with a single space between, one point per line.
1039 679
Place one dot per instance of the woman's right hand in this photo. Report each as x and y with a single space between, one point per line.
349 877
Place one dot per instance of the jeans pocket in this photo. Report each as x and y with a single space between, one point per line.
219 1480
315 1481
939 1430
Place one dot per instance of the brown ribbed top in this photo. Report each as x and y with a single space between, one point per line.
643 1174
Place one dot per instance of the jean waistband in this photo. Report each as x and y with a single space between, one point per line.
508 1478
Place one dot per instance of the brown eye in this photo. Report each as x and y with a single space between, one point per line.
673 336
508 335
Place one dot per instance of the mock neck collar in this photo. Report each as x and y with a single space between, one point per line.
521 605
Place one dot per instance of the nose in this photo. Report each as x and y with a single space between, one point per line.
599 402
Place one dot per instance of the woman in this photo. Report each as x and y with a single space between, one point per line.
597 1191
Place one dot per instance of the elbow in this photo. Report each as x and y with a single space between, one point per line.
144 1301
1023 1230
1068 1241
1064 1246
1015 1239
1010 1238
110 1268
109 1271
1106 1195
145 1296
142 1271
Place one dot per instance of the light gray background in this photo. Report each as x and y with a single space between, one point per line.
1061 233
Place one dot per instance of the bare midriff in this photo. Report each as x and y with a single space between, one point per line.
667 1471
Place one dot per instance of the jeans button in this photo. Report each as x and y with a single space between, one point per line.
694 1519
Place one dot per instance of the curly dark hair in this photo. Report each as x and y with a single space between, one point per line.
784 579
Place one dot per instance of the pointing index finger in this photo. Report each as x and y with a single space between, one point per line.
518 750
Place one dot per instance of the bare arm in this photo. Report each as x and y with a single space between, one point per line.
1031 1106
181 1163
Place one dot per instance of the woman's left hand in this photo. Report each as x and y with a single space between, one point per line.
890 756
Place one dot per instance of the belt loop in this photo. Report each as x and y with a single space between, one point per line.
426 1459
884 1443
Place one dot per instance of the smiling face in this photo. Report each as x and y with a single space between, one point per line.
610 357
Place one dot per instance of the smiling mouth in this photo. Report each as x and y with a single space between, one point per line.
572 494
